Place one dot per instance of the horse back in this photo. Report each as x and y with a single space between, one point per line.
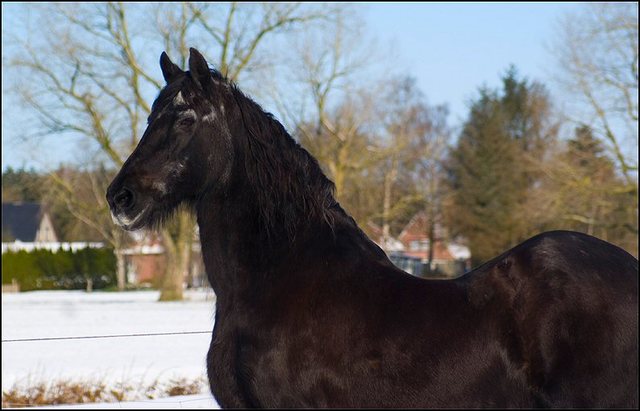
565 307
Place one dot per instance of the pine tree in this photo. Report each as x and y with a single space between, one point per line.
497 163
484 187
589 195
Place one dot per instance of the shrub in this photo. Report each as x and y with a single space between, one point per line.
67 391
45 270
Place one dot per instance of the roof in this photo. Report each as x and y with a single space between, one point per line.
373 230
375 233
21 220
416 241
417 229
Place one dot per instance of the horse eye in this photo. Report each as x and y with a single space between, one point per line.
186 122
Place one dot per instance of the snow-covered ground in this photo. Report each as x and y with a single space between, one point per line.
43 314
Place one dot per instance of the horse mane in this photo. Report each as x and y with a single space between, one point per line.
288 186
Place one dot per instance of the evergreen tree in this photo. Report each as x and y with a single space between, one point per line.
496 165
587 154
589 195
22 185
484 187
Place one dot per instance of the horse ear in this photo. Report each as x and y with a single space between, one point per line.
199 69
169 70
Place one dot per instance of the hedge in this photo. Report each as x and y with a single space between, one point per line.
63 270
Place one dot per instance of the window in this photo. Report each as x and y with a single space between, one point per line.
419 245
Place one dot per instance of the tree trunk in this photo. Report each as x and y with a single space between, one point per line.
121 271
432 242
172 284
338 175
389 179
432 215
177 246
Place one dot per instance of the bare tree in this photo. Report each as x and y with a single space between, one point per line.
597 51
416 136
581 191
337 127
239 30
82 193
86 91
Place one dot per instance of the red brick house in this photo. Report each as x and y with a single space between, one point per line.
449 259
391 244
146 261
410 251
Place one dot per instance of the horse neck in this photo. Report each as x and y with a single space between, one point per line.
237 252
279 204
237 258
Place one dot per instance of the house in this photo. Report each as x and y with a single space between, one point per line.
27 222
449 259
389 244
410 250
145 261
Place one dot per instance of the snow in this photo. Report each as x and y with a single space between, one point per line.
459 252
42 314
47 245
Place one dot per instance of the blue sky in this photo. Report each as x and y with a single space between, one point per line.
454 48
450 48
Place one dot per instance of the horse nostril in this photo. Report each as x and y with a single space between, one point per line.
124 199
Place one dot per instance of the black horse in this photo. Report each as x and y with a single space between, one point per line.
311 313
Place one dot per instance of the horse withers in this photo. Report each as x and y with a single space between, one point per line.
311 313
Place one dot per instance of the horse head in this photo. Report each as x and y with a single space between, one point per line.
184 150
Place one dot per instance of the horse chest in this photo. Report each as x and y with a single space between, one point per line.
234 367
268 365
